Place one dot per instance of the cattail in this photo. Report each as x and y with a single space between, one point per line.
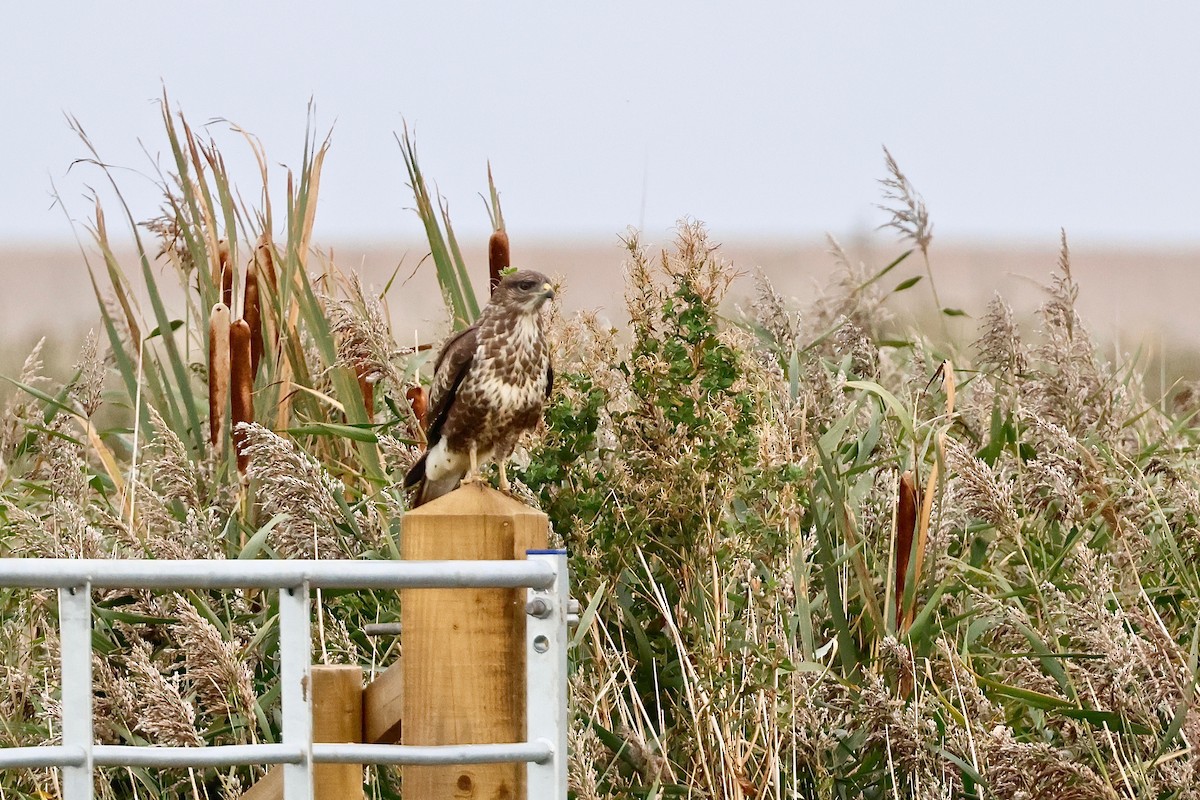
217 268
368 392
225 273
252 313
242 384
498 258
949 386
218 370
265 262
906 525
419 402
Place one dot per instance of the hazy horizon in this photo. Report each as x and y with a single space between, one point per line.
1118 296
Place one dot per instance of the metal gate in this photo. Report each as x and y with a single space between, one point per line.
543 575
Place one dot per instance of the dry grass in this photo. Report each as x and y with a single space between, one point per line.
822 553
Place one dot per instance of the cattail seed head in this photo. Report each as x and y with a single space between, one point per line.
252 313
420 404
907 503
224 273
498 258
367 387
242 388
218 370
264 262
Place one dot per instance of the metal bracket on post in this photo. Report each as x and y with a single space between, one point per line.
75 639
546 640
295 660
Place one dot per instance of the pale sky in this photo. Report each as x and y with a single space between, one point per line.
760 118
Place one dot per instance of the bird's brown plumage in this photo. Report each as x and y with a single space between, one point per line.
490 383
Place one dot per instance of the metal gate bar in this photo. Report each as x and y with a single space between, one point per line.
543 574
101 573
75 640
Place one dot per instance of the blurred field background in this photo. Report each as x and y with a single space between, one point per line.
1133 299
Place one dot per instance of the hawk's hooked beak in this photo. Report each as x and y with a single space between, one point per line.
547 291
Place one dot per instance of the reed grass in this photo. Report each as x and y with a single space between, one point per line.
820 553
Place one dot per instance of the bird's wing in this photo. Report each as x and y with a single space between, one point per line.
549 380
451 367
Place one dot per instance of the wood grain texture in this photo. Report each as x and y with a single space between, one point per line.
383 706
464 649
337 696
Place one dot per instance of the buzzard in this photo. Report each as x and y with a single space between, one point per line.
490 382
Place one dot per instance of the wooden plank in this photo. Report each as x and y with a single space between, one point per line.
269 788
337 719
464 649
383 706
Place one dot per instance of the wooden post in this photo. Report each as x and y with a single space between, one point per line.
337 719
383 706
464 649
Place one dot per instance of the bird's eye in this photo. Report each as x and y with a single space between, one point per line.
525 286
